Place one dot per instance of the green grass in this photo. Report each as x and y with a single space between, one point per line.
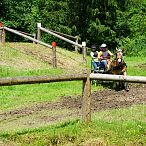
136 66
115 127
13 97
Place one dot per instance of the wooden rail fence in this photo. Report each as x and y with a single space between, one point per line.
76 38
86 78
83 45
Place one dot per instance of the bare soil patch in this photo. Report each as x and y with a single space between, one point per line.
143 66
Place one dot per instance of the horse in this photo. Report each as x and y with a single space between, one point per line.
119 67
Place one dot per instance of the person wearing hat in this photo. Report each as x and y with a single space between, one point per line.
94 56
104 56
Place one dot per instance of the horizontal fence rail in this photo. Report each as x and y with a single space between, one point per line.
62 34
8 81
27 37
60 37
108 77
28 34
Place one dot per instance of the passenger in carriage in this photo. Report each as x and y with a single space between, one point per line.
104 56
94 56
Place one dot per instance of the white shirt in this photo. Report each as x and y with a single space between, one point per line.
93 57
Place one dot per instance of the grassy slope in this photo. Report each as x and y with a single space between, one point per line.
16 63
118 127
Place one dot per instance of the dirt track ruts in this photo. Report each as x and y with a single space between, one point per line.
101 100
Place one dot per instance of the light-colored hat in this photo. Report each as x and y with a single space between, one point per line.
103 46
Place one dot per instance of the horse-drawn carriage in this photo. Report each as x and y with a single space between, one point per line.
117 66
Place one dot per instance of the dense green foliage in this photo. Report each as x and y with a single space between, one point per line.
116 22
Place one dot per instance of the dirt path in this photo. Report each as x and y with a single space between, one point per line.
70 107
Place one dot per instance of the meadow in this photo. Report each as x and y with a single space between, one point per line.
112 127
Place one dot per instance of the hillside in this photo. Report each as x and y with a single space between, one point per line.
29 56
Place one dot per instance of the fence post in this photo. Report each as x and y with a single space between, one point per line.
3 36
38 31
86 99
84 52
2 33
54 54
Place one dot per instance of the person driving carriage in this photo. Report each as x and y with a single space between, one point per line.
104 56
94 56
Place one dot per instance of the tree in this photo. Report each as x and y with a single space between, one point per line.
94 20
132 25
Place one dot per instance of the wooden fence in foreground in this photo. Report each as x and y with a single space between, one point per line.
85 77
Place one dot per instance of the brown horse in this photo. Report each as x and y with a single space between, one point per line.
119 67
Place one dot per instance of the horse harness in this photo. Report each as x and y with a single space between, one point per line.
119 65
